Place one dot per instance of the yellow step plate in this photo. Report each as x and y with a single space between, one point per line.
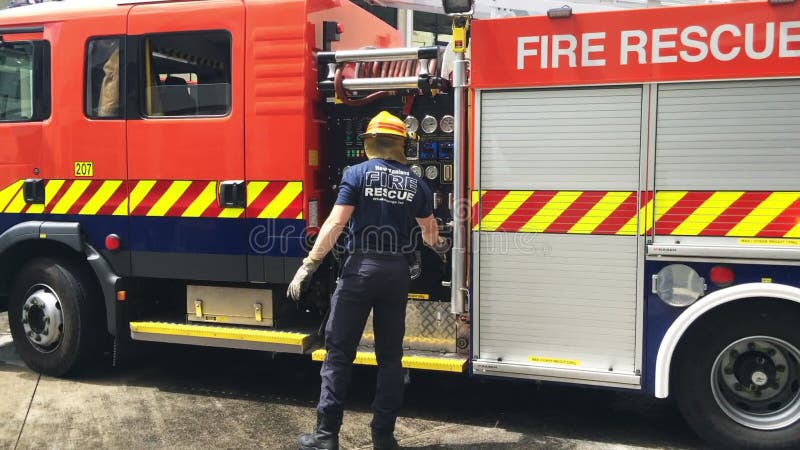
450 363
229 337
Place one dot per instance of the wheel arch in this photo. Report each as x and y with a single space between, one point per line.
700 309
32 239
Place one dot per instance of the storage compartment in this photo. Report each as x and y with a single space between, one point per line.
242 306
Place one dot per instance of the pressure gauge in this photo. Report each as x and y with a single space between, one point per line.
447 124
412 124
416 170
431 172
429 124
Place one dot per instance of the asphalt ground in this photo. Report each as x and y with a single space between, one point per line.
182 397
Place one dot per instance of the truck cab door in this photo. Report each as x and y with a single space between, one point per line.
185 137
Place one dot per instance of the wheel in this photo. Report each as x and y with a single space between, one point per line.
737 379
53 313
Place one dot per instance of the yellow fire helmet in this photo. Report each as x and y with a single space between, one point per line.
385 123
385 138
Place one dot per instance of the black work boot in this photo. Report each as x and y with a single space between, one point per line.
325 435
384 441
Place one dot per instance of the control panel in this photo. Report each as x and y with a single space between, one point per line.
430 156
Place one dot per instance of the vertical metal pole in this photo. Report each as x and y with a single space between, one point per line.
460 205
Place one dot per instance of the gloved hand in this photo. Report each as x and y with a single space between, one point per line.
302 278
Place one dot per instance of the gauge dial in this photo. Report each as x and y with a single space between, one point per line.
429 124
447 124
416 170
431 172
412 124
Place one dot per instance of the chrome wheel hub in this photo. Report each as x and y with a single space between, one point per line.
756 382
42 318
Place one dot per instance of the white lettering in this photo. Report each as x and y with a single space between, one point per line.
628 47
749 41
785 38
715 47
659 44
523 50
587 48
569 51
700 46
545 52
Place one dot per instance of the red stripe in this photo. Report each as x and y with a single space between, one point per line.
782 224
113 202
87 194
735 213
680 211
294 208
151 198
267 195
64 188
186 199
489 200
213 209
647 197
619 217
527 210
575 212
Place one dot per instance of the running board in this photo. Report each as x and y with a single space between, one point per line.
418 360
226 337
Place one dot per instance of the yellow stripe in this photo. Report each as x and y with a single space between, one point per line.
17 204
139 192
409 362
122 209
231 213
299 216
71 196
706 213
599 212
7 194
282 200
504 209
100 197
254 189
50 190
476 197
550 212
665 201
203 201
215 332
794 232
764 213
168 198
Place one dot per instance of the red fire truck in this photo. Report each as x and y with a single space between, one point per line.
620 188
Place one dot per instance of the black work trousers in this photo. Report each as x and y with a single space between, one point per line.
379 283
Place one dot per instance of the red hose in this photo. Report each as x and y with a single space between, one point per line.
377 69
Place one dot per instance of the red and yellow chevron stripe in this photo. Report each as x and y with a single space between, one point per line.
680 213
156 198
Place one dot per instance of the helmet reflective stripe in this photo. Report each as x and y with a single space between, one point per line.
386 123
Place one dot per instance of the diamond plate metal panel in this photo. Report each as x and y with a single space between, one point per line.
429 326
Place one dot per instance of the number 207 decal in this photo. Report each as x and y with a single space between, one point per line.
84 169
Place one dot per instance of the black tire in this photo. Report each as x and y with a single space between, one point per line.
691 376
80 308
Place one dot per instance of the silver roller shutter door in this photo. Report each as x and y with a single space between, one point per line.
739 135
569 297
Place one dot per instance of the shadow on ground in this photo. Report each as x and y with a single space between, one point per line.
542 415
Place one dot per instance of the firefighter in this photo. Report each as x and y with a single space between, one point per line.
381 201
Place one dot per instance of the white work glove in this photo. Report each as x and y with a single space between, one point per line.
302 278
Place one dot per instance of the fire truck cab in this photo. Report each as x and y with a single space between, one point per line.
620 188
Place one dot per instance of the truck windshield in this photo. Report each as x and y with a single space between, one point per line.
16 81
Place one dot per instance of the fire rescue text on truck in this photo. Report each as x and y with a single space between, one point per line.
620 189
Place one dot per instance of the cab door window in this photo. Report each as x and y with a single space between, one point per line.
24 81
187 74
104 87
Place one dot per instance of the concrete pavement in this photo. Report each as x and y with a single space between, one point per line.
184 397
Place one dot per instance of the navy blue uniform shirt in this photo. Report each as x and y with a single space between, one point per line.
387 198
